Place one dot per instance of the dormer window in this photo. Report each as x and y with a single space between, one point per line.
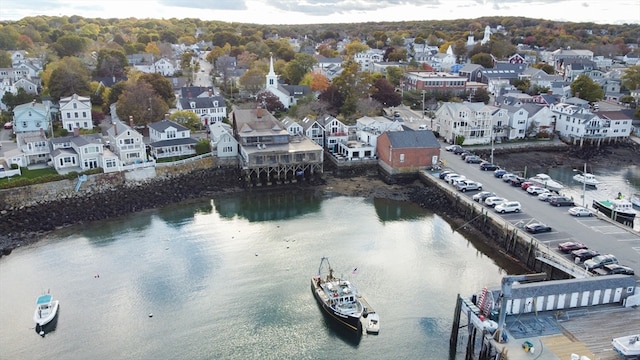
193 104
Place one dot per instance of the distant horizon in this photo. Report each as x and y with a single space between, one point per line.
317 12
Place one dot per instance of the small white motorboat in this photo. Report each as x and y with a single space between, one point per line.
587 179
627 346
545 181
46 309
373 323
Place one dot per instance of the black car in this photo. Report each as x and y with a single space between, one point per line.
466 154
487 166
537 228
560 201
499 173
613 269
458 150
584 254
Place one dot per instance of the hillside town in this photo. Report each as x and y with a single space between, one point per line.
436 94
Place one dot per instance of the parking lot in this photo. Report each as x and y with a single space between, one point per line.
593 231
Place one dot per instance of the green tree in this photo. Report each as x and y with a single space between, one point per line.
8 37
253 80
483 59
161 86
139 102
187 119
298 67
585 88
70 45
70 77
481 95
22 97
631 77
203 146
111 63
395 74
5 59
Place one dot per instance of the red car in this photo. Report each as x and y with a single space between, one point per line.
525 185
570 246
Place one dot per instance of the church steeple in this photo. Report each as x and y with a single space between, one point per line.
272 78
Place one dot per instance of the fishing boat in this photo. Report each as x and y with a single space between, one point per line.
587 179
627 346
46 309
619 209
545 181
338 298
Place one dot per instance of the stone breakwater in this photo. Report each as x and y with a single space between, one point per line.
20 225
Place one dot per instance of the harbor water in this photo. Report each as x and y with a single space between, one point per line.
229 278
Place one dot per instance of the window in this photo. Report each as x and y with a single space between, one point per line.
68 115
84 114
401 158
76 115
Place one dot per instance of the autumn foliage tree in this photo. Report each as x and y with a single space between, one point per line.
140 103
270 102
385 93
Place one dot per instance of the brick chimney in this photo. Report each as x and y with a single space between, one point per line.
166 116
259 112
549 92
131 121
76 131
210 92
115 128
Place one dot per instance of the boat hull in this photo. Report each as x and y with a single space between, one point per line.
621 217
352 323
627 346
44 320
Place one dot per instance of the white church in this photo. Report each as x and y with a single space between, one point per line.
287 94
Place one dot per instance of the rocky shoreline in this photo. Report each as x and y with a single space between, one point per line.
41 220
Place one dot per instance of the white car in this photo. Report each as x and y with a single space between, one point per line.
508 206
580 211
494 200
545 196
464 185
451 177
536 190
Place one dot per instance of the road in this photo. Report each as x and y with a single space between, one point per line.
203 76
596 233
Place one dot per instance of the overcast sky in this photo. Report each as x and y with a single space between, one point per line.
329 11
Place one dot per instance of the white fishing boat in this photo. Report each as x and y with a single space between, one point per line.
545 181
619 209
46 309
586 178
627 346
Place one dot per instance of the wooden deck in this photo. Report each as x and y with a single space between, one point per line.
594 330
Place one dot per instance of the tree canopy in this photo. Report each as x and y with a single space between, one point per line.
585 88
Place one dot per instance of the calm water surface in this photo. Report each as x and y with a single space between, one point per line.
229 279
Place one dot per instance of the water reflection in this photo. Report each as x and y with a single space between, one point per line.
268 206
394 210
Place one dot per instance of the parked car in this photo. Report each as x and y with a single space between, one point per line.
494 200
508 176
536 190
508 206
525 185
584 254
453 148
467 185
473 159
613 269
499 173
561 201
517 181
600 261
487 166
482 196
546 196
580 211
569 246
466 154
537 228
458 151
8 125
453 176
444 173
